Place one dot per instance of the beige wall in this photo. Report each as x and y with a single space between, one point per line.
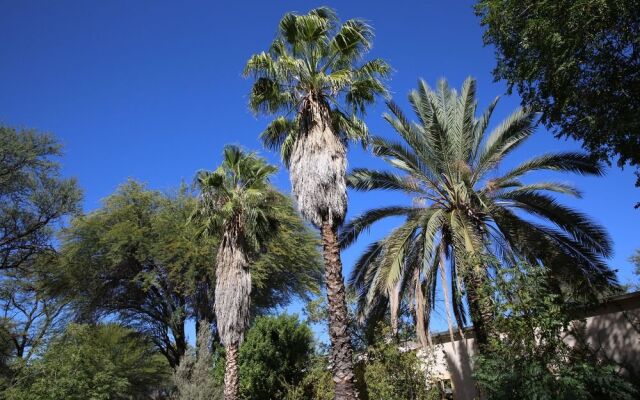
612 329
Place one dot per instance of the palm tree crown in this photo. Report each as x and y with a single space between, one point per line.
461 206
309 78
236 204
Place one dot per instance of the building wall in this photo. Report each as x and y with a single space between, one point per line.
612 329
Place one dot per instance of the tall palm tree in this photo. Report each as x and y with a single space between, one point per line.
239 206
312 80
464 209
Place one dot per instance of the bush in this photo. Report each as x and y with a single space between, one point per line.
393 374
274 356
526 357
103 362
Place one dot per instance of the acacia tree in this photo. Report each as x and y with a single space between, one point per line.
33 195
240 207
138 260
578 62
311 79
463 209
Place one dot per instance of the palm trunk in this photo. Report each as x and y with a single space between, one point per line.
479 308
231 372
422 331
394 306
341 351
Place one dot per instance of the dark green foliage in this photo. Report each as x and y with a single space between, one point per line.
275 355
103 362
526 357
385 372
576 61
317 383
392 374
196 378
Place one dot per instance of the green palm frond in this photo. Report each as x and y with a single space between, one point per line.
365 179
238 192
314 56
349 232
460 213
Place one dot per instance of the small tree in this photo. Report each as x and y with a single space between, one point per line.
528 358
274 356
100 362
194 376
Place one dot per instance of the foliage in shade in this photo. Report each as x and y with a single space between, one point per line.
529 359
576 61
93 362
462 207
274 356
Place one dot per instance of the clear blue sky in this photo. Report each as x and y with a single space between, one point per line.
153 90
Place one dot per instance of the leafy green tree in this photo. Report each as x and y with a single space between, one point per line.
137 259
316 384
274 356
34 201
106 362
310 78
240 208
33 195
132 259
462 208
32 315
530 359
576 61
393 374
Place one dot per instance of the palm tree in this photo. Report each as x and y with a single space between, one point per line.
464 209
237 205
310 78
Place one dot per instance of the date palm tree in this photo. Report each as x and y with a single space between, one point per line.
312 80
239 206
466 211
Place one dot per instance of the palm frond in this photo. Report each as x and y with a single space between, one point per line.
365 179
351 230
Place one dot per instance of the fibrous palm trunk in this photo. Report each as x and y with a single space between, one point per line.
232 302
341 352
317 169
231 372
479 308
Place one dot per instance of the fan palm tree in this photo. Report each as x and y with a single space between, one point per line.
466 212
312 80
239 206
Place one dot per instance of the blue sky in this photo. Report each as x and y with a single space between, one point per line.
153 90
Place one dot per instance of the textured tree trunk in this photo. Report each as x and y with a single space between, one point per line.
394 306
422 331
232 301
231 372
479 308
341 352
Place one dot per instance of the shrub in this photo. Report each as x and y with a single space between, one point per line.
526 357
